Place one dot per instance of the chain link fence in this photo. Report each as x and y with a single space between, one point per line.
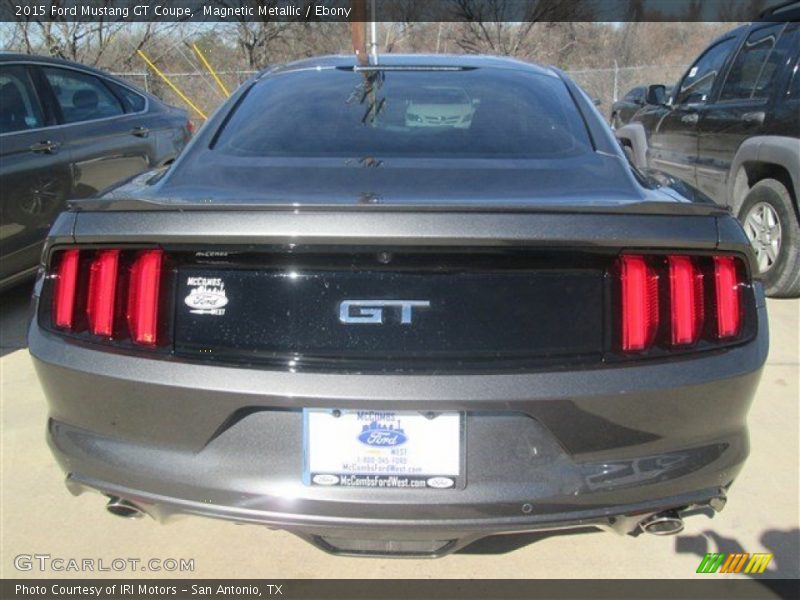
606 85
610 84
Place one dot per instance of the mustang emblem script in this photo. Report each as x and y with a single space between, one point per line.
353 312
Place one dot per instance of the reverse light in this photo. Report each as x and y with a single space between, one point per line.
102 292
686 301
639 303
143 297
65 286
728 301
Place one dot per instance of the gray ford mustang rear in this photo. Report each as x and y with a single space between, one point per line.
395 309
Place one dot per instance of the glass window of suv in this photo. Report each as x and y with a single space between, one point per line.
19 106
82 97
754 68
635 95
698 82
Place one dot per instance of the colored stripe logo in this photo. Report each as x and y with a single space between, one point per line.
738 562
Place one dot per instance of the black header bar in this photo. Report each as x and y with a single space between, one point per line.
711 588
233 11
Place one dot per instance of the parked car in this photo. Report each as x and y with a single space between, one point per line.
622 111
445 107
732 129
69 131
395 340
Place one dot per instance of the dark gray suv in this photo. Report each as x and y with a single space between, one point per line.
69 131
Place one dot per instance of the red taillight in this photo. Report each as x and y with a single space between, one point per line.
102 292
115 295
64 293
686 300
727 291
699 299
143 297
639 303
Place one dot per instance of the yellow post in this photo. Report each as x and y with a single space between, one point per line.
212 71
174 88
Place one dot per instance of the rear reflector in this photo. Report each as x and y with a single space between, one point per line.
64 293
686 300
727 288
102 292
143 297
639 303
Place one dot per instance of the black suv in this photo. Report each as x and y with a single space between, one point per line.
69 131
731 128
623 110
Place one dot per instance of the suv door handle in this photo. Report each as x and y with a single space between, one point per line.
757 116
46 147
691 118
140 132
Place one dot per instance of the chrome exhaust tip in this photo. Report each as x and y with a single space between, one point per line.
123 508
668 522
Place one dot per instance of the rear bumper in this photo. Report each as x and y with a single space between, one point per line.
550 450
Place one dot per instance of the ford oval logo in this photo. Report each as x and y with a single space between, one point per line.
325 479
382 438
206 299
441 483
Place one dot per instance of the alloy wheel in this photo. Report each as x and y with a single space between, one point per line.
763 228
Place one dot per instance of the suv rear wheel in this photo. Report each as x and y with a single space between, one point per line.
770 223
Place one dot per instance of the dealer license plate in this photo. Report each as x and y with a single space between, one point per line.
382 449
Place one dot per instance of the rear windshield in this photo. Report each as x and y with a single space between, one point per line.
479 113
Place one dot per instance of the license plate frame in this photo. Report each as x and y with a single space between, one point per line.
374 434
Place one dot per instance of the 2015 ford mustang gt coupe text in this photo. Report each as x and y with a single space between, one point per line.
398 308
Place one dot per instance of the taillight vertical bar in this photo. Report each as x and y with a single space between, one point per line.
686 301
143 297
728 297
65 288
639 284
102 292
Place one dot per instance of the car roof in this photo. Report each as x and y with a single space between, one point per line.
464 61
8 57
49 60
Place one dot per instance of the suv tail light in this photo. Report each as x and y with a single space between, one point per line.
667 300
119 289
